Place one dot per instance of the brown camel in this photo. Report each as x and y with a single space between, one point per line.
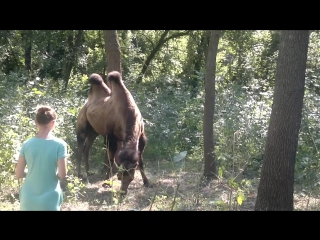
112 113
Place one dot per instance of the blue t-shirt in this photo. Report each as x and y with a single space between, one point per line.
41 188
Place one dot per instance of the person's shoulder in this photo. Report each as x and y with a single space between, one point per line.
60 140
31 139
63 146
28 143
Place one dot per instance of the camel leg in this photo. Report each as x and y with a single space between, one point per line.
109 167
81 138
107 157
114 168
81 132
145 180
142 144
92 135
111 148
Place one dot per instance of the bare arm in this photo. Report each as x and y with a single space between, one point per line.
20 168
62 168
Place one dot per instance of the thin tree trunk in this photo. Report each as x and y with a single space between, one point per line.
112 50
276 186
72 56
26 37
197 60
209 159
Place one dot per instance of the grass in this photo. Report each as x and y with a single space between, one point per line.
175 190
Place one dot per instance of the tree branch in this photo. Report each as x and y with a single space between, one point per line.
176 35
163 39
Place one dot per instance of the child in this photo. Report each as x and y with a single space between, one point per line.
45 156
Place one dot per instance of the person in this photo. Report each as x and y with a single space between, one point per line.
45 157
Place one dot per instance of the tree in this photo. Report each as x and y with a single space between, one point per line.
71 57
275 190
196 53
162 40
209 159
27 39
113 50
10 61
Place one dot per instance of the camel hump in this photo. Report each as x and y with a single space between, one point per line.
95 79
114 76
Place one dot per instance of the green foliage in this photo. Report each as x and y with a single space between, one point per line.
246 64
75 189
17 108
307 158
169 127
9 144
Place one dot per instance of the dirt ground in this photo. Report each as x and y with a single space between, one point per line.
174 190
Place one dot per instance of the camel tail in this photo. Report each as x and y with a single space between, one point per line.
95 79
114 76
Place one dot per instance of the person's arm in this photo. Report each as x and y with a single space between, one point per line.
62 168
20 168
62 161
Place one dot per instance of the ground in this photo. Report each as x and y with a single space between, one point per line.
175 189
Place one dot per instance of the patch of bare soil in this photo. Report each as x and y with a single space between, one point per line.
173 190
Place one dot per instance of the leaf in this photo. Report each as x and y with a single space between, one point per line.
180 156
233 184
317 140
240 198
38 92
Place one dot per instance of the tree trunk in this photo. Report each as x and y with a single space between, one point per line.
276 188
209 159
71 56
197 62
112 50
26 37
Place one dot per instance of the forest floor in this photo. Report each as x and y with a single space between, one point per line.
173 190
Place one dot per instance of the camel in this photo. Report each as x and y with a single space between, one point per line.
112 113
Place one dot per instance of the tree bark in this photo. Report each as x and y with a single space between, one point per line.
276 185
113 51
209 159
26 37
71 56
197 62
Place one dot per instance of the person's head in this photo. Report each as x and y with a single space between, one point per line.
45 116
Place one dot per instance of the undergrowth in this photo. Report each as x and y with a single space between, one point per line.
173 155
